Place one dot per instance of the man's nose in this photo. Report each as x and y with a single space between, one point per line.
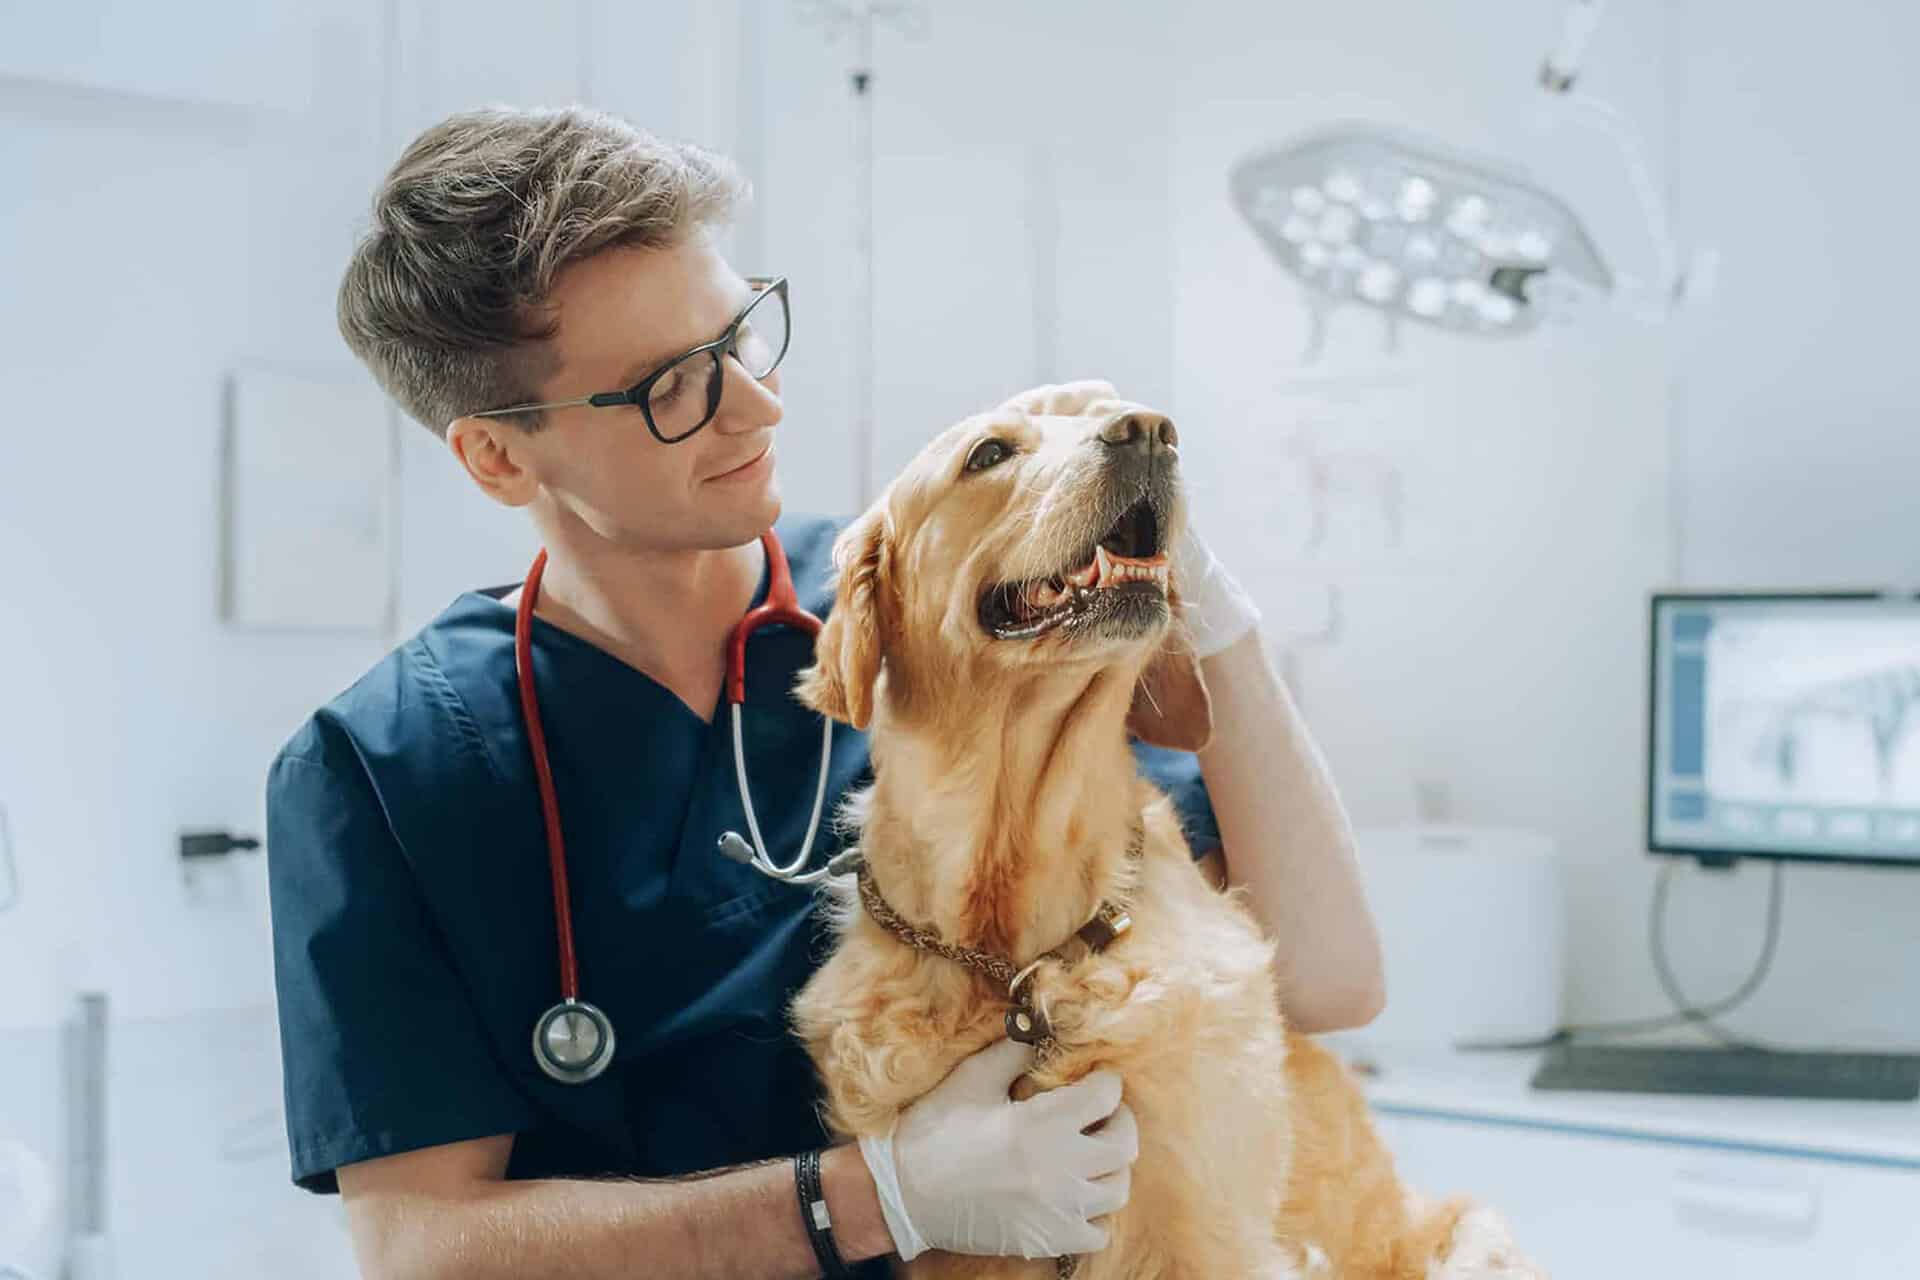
1139 431
746 403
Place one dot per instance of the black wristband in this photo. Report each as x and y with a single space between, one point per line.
806 1180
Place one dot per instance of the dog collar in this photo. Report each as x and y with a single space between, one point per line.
1025 1022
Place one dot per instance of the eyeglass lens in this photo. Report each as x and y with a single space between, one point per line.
684 397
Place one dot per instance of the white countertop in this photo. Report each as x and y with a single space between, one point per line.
1493 1088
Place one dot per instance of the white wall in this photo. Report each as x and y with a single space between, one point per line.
1797 427
1496 650
156 187
1021 230
181 197
1768 441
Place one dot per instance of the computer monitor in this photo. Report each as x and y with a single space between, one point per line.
1785 725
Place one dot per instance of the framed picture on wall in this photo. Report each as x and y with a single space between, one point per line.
309 484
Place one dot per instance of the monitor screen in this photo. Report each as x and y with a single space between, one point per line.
1785 726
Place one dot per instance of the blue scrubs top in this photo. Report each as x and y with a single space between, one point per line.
413 923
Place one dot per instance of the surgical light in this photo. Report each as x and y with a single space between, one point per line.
1495 246
1420 230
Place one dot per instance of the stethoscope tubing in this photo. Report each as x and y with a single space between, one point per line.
543 773
782 607
763 861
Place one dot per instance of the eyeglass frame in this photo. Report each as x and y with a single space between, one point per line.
638 394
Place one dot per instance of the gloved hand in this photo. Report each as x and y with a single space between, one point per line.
967 1170
1216 609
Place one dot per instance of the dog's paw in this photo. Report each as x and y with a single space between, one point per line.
1482 1248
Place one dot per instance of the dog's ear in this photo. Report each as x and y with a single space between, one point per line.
847 654
1171 705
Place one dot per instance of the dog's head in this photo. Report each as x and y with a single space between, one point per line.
1028 542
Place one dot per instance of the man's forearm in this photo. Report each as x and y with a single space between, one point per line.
744 1222
1287 838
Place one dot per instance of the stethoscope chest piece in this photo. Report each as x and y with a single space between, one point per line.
573 1042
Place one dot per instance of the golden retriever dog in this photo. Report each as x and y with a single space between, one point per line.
1003 617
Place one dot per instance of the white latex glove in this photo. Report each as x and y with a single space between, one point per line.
1215 608
968 1170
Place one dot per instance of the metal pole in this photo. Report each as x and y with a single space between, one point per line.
861 79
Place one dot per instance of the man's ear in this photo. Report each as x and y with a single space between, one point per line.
849 649
488 449
1171 705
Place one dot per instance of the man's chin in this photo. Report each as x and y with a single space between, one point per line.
770 506
752 518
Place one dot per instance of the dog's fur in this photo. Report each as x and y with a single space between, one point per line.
1004 793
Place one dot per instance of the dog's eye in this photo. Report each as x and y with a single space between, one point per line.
988 453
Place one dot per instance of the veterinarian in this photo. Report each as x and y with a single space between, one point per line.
540 256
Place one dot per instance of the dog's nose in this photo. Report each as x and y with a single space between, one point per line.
1140 429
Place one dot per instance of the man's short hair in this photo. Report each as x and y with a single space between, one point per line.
445 296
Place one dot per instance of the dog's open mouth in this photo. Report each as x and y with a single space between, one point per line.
1129 560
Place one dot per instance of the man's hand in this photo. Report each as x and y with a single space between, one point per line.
968 1171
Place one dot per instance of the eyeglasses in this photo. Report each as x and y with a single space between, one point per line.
682 395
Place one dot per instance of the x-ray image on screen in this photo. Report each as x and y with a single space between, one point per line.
1786 726
1822 712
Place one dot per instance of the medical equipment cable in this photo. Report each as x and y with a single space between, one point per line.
1703 1016
1685 1013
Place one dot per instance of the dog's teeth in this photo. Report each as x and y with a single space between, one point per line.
1103 567
1087 574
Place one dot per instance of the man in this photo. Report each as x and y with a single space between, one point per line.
520 266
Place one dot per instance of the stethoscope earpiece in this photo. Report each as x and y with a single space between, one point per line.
734 845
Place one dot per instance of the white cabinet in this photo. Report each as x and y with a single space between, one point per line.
1606 1206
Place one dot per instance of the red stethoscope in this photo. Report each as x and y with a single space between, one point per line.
573 1041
